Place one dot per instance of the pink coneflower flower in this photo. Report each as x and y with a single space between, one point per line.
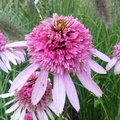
61 45
10 52
115 61
23 107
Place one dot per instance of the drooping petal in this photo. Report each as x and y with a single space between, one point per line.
5 61
101 55
21 56
34 116
45 116
39 87
96 67
3 67
12 108
88 83
10 102
17 44
50 114
10 56
40 114
23 77
22 114
111 63
53 108
71 91
59 94
117 68
16 114
6 95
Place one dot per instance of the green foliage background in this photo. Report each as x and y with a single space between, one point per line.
18 17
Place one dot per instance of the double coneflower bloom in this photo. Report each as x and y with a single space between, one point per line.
11 52
23 107
115 61
60 46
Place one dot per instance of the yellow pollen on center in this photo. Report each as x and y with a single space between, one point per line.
61 24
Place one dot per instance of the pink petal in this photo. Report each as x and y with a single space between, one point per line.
16 114
111 63
22 114
3 67
23 77
89 84
10 56
12 108
117 68
5 61
96 67
53 108
41 115
50 114
17 44
101 55
59 93
34 116
71 91
6 95
39 87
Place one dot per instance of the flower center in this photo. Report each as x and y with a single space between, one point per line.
24 97
117 51
61 24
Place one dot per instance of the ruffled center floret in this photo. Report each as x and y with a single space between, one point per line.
117 51
2 42
28 116
59 44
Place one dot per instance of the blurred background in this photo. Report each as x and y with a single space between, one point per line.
102 17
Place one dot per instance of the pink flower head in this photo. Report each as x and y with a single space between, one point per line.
115 61
9 52
61 45
23 107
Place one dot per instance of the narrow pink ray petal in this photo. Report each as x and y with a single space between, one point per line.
23 77
111 63
59 94
117 68
16 114
89 84
12 108
17 44
39 87
45 116
88 70
10 102
71 91
21 56
22 114
6 95
5 61
96 67
50 114
53 108
3 67
34 116
10 56
40 114
101 55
